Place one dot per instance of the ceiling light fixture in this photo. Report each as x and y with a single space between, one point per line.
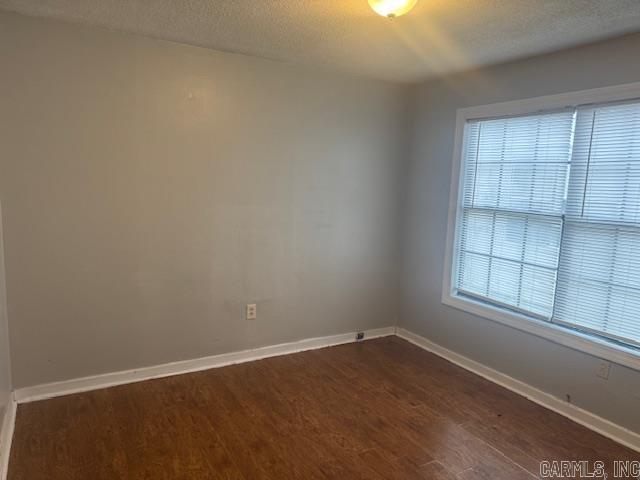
392 8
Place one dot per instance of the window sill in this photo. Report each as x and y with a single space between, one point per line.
559 334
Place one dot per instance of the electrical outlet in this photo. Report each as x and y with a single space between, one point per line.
252 311
603 370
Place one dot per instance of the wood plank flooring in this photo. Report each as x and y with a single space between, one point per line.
379 409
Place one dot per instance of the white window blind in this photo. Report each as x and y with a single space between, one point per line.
599 275
513 197
549 217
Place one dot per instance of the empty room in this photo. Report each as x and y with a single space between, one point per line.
319 239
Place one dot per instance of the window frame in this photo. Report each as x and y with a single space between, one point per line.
555 332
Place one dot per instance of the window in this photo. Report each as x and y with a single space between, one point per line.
546 221
599 275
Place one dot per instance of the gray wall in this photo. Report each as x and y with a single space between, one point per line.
5 363
553 368
151 189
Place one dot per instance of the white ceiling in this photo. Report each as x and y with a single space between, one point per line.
438 36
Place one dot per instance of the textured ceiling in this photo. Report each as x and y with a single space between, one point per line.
438 36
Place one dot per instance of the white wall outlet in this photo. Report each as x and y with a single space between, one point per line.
603 370
252 311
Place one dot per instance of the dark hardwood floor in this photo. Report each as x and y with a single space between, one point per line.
380 409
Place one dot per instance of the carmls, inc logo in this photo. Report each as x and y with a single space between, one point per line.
568 469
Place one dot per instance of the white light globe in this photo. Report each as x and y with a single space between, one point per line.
392 8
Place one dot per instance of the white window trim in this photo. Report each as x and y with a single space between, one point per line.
557 333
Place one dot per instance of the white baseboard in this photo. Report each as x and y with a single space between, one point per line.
77 385
591 421
6 437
